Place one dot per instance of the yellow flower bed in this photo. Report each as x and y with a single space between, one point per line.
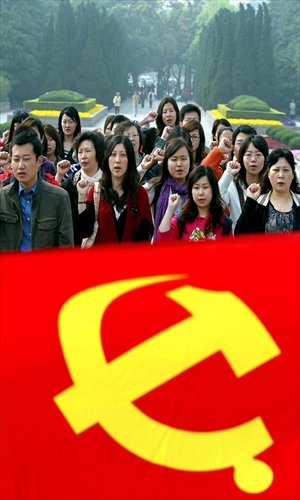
237 121
49 112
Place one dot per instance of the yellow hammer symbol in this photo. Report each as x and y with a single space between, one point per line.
104 392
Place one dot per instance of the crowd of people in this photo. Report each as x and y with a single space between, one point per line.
132 181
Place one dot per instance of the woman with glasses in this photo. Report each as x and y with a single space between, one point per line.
249 168
133 131
273 205
197 137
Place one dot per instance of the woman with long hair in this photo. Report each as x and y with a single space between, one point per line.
54 146
197 136
124 211
16 121
69 127
176 165
201 216
167 115
273 205
248 169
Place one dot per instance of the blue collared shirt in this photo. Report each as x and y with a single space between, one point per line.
25 202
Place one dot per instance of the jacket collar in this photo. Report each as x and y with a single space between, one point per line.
264 199
14 191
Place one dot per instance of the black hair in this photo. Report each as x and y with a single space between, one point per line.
117 119
107 122
273 158
189 210
259 143
159 120
53 133
243 129
72 113
221 130
18 117
216 123
130 181
31 122
188 108
171 147
123 126
27 136
190 126
96 139
179 131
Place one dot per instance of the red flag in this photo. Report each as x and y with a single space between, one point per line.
141 373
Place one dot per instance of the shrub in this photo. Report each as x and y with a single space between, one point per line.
248 103
82 106
286 136
270 130
279 134
4 126
248 115
62 96
276 137
233 101
294 143
5 86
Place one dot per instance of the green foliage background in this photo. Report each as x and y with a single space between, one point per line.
217 49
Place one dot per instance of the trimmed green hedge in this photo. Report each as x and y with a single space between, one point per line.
271 130
273 114
62 96
279 132
4 126
295 142
248 103
286 135
58 106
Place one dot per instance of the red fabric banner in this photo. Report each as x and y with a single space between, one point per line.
151 373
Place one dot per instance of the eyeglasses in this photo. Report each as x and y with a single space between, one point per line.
132 136
195 137
256 156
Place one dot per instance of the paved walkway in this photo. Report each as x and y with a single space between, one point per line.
127 110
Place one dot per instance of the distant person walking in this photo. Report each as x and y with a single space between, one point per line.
117 103
135 102
292 109
150 99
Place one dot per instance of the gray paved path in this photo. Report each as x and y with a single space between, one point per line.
126 109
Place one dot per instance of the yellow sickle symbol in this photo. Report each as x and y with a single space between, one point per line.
103 392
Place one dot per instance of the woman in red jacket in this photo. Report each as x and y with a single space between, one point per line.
124 211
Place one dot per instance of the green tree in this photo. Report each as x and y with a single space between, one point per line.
21 29
5 88
266 78
285 21
63 53
243 70
114 71
222 84
99 72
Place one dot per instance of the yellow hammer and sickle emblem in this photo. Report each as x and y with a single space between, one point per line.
104 392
